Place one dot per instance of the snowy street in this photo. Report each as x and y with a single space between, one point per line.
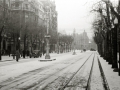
68 72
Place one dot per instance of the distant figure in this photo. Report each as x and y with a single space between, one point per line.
9 52
23 53
3 52
43 52
28 53
17 55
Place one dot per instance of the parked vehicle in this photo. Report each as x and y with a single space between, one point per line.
36 54
92 49
84 50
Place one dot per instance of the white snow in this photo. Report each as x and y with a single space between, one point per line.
14 70
112 77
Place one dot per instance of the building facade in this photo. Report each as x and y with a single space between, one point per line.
82 41
28 23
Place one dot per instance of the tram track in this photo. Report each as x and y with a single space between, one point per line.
64 83
42 84
22 79
33 72
91 71
70 84
76 74
63 87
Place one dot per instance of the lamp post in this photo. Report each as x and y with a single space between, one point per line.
89 44
115 62
47 36
19 44
42 48
58 43
74 42
19 47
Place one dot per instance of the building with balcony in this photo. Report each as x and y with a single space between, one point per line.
28 23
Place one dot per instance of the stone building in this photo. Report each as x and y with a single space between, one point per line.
82 41
27 16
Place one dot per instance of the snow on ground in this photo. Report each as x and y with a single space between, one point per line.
112 77
96 80
14 70
7 58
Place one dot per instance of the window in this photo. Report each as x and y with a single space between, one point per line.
15 5
26 6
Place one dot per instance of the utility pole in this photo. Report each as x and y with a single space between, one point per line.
74 42
47 36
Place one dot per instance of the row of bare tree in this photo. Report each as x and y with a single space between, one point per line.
107 31
65 42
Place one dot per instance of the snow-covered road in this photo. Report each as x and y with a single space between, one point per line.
71 71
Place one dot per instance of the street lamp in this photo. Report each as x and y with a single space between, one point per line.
19 43
89 44
47 36
58 43
74 42
42 46
115 62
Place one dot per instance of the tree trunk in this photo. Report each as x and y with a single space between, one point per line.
31 43
1 40
115 63
14 45
39 45
0 46
110 46
24 52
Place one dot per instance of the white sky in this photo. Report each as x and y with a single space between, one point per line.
75 14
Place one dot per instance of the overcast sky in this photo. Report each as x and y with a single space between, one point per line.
75 14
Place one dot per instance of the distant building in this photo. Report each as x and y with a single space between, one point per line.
82 41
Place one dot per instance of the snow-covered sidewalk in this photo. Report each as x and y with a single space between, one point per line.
7 58
113 79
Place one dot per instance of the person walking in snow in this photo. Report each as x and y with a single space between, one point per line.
17 55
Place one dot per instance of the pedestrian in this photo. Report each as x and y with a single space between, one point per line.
17 55
23 53
9 52
28 53
3 52
43 52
